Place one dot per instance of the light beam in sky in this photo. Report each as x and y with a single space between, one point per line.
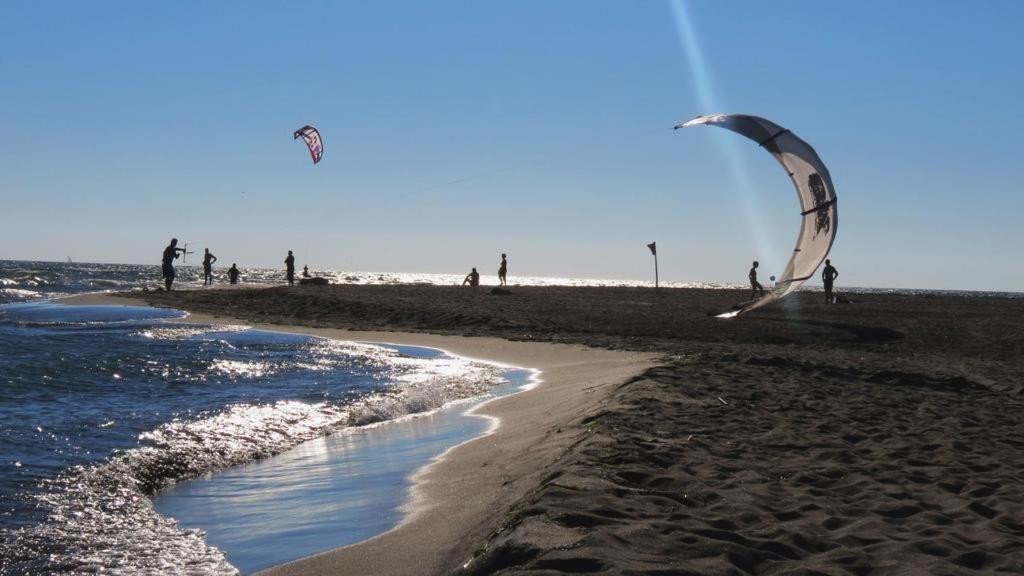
748 198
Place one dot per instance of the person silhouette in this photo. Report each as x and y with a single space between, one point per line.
503 270
756 290
305 272
170 253
473 278
233 273
289 264
208 260
828 276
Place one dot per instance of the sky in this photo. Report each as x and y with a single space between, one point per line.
458 130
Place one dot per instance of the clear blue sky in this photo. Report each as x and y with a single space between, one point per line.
458 130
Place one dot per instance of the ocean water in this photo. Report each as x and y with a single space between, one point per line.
103 408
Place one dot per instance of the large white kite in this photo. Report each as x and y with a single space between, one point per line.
819 218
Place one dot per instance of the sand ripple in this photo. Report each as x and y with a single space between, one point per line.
767 465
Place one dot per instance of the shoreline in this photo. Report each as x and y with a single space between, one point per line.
876 436
328 492
457 498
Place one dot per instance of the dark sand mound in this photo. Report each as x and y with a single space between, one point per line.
634 318
714 465
879 437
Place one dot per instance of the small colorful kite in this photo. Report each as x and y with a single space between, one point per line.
313 141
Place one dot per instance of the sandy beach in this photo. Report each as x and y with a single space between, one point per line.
880 436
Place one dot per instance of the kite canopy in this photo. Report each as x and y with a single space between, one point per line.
819 218
312 138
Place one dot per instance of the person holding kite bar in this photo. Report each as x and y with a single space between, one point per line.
170 253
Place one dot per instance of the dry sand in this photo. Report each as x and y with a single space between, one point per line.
879 437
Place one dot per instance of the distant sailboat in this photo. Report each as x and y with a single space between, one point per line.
69 260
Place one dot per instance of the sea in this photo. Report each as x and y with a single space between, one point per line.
117 423
135 442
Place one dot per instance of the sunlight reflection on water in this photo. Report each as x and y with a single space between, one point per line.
324 493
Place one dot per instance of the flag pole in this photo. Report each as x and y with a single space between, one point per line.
653 247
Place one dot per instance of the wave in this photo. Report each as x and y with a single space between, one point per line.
182 332
105 283
100 518
18 293
29 277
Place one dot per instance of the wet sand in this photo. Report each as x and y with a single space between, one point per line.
881 436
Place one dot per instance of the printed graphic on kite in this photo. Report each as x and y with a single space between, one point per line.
817 188
818 216
312 138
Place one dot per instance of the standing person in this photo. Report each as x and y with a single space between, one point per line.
756 290
828 276
233 273
170 253
289 263
473 278
208 260
502 270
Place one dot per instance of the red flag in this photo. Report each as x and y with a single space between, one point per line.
654 248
